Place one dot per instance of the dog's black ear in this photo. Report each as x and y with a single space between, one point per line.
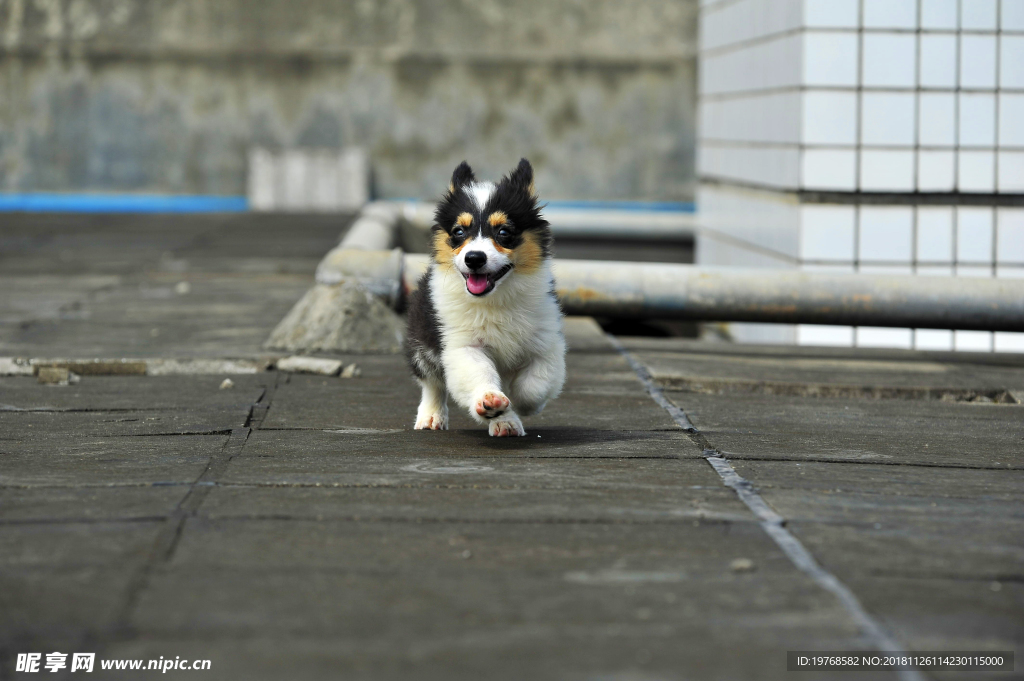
462 176
521 178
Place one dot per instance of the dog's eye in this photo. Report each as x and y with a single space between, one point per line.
504 234
458 232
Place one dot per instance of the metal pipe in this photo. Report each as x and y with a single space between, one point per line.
670 291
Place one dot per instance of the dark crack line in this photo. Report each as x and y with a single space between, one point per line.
772 523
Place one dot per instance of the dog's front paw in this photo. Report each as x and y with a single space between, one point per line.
508 425
491 405
432 422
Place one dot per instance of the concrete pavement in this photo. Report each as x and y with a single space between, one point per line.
294 526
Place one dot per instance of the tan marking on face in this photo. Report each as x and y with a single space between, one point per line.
464 219
443 252
528 256
497 218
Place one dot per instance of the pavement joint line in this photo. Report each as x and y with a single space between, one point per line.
872 462
774 524
688 520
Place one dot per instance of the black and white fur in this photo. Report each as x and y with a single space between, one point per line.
484 325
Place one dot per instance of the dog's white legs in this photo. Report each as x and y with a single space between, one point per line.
433 411
541 380
474 382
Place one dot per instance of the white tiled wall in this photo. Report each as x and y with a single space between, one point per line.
752 228
864 95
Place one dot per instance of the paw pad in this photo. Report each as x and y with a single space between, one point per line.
492 404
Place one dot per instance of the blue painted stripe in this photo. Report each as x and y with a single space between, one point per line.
121 203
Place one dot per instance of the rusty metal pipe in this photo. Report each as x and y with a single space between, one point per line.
670 291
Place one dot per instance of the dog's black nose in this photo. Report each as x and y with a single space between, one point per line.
476 259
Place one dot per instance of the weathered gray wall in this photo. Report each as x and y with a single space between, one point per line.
167 95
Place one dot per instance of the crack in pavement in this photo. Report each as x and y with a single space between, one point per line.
773 523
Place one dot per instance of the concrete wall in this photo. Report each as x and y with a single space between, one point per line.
168 95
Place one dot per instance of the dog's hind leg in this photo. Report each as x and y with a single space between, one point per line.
541 380
433 411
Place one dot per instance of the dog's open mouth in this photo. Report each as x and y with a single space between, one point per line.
482 284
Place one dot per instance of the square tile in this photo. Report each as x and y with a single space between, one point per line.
890 14
936 170
972 341
935 235
831 13
974 235
828 169
826 232
977 61
976 171
1011 62
890 60
829 117
887 119
886 171
938 60
979 15
973 271
1011 115
1010 236
977 120
886 234
881 337
1008 341
1011 172
939 14
937 119
933 339
1011 15
824 336
830 58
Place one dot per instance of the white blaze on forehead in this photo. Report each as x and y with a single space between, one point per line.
495 259
480 192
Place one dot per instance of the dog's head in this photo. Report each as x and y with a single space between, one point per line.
490 232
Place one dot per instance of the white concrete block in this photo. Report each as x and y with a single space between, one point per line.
886 234
1011 16
1010 236
886 171
1011 118
978 15
829 117
933 339
977 60
1011 62
976 171
831 13
938 60
890 60
1007 341
890 14
936 170
881 337
830 59
935 234
974 235
827 232
887 119
1011 172
977 120
939 14
973 341
828 169
262 180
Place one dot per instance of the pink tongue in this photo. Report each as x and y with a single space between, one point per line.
476 283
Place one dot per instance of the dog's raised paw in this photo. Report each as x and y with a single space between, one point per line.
491 405
506 426
432 422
